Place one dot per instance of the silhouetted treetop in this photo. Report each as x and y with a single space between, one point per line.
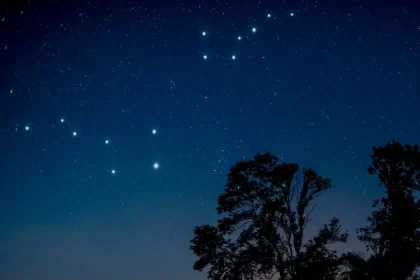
397 165
393 233
265 209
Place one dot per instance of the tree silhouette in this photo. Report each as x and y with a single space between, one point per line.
393 232
265 209
355 267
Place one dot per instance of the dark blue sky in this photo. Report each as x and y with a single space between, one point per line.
319 83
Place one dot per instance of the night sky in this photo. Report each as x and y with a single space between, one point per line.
120 120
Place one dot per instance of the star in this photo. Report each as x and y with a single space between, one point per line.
154 131
62 120
233 57
254 29
107 141
155 165
204 57
26 128
113 171
204 33
239 38
292 14
269 15
11 91
74 133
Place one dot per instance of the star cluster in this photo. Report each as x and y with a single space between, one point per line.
107 142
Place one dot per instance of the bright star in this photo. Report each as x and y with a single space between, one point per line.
233 57
74 133
204 33
254 29
107 141
269 15
239 38
26 127
154 131
155 165
113 171
62 120
204 56
292 14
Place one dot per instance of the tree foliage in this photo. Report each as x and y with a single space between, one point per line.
392 234
264 210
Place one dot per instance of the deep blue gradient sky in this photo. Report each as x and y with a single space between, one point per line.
319 83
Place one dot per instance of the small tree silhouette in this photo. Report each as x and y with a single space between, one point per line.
393 232
266 207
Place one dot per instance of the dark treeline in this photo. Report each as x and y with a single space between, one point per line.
266 206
